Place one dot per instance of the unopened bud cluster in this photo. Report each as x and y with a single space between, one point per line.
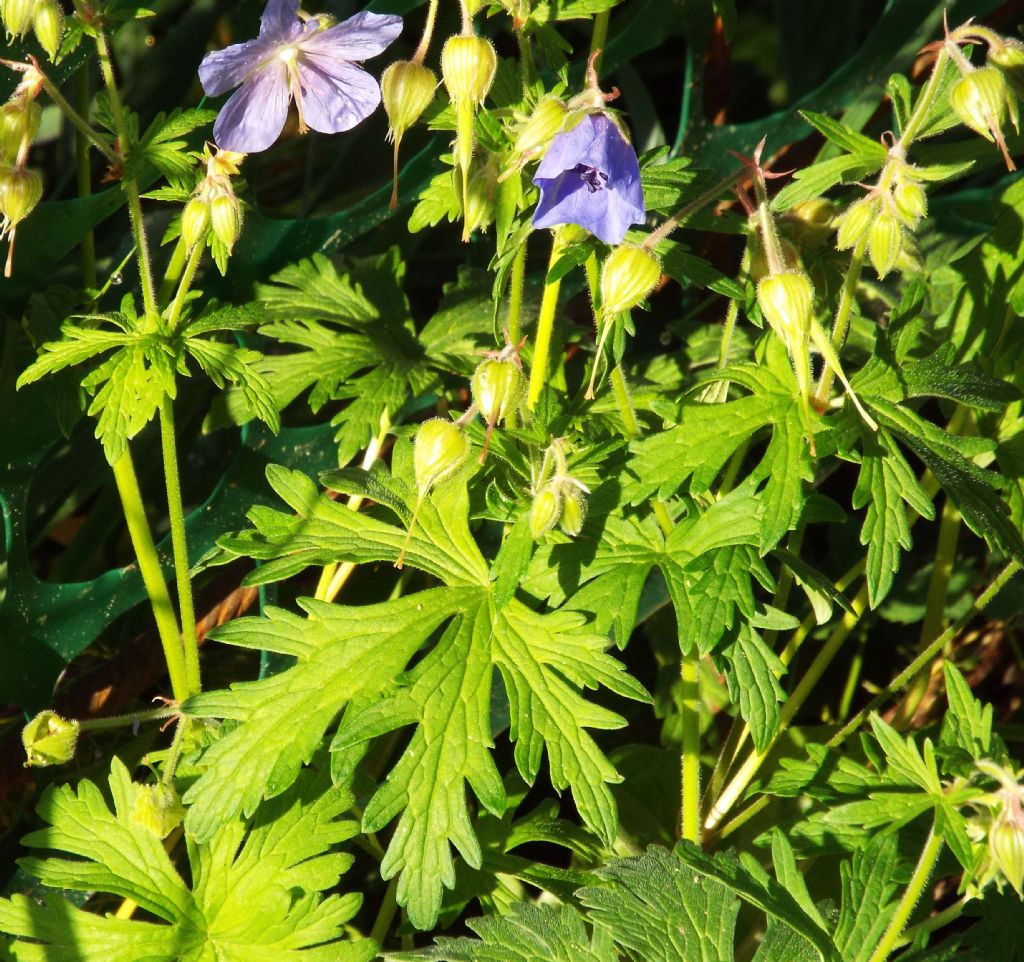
20 188
558 498
997 831
213 205
49 739
43 17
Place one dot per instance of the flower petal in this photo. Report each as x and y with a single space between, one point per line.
362 36
227 68
279 16
253 117
335 95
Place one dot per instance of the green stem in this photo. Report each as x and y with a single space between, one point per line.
599 37
172 275
545 327
905 676
179 544
841 324
515 295
78 122
924 101
428 32
388 907
131 188
698 203
83 177
689 674
189 275
935 606
620 391
174 754
911 896
152 574
123 721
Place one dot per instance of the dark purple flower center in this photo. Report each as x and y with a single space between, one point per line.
594 179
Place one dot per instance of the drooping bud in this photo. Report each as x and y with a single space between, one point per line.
497 387
19 122
537 131
157 808
48 26
759 261
885 241
407 89
1008 57
911 202
629 274
49 740
787 301
1006 845
982 99
545 511
20 191
574 511
226 219
810 222
479 197
855 223
195 222
468 65
17 16
439 451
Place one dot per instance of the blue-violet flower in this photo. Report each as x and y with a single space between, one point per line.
590 177
300 61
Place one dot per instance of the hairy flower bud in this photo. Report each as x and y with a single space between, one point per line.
439 451
911 202
497 387
48 26
759 261
226 219
19 121
545 511
535 134
885 241
468 65
20 191
855 223
407 89
574 512
1008 58
195 222
629 274
983 100
787 301
17 16
479 196
810 222
49 740
1006 846
157 808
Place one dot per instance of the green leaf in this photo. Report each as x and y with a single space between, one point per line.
226 363
655 907
256 889
968 722
851 141
811 182
79 344
868 898
754 684
903 757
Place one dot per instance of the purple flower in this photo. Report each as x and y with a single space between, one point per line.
590 177
292 59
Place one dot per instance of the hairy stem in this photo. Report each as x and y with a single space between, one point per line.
911 896
515 295
78 122
152 575
123 721
841 324
83 178
689 675
545 327
599 37
428 33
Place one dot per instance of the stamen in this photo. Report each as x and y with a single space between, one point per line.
594 179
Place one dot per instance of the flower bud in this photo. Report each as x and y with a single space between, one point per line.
855 223
759 261
629 274
497 387
20 191
19 121
479 197
885 241
1008 58
49 740
810 222
48 25
157 808
17 16
545 511
911 202
537 131
1006 846
983 101
468 65
439 451
226 219
407 89
195 222
787 301
574 512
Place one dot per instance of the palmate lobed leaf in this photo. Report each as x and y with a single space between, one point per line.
255 892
